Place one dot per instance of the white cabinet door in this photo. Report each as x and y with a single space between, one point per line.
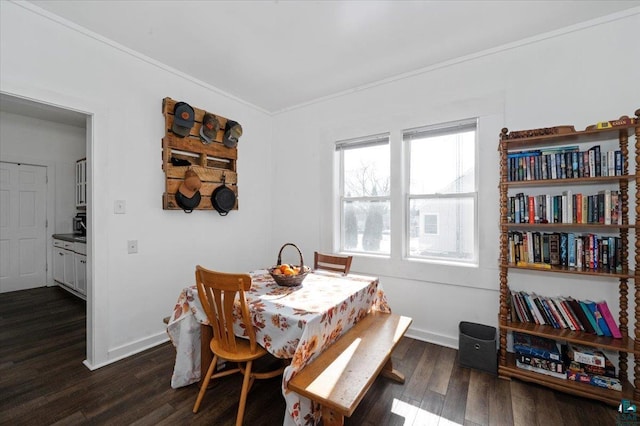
58 264
81 183
69 269
81 272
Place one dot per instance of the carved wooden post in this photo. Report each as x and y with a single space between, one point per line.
504 290
636 358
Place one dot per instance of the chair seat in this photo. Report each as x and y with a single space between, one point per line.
242 353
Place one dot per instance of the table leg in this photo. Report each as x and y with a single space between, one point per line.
389 372
331 418
206 356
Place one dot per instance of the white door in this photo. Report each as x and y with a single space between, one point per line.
23 213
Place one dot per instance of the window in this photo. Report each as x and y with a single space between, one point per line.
365 195
430 224
441 199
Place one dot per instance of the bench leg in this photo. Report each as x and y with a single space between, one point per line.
389 372
331 418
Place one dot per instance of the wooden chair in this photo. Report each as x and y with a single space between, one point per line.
218 293
332 262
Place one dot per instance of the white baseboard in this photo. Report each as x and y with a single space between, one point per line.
125 351
141 345
438 339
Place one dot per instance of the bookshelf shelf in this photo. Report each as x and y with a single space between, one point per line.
584 136
569 182
575 271
509 370
624 240
581 338
600 226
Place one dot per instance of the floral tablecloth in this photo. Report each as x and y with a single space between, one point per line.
290 322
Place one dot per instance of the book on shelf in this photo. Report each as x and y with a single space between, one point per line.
537 346
608 370
579 313
590 318
562 310
597 315
604 382
522 312
554 249
596 160
545 364
553 311
540 370
539 317
611 322
585 355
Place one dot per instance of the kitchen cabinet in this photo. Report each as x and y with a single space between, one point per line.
81 183
59 254
80 263
70 266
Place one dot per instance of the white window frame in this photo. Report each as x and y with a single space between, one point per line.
432 130
340 148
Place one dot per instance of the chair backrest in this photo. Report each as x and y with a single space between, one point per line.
332 262
218 292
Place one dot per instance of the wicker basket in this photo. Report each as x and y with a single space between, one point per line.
290 280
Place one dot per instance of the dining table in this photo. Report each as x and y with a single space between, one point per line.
295 323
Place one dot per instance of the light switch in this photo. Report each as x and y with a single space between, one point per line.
120 207
132 246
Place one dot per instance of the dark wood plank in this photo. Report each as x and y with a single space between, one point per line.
477 409
455 401
440 379
523 404
415 384
43 381
500 412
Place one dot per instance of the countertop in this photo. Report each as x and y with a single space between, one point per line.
74 238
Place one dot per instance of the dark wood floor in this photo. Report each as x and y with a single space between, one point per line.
43 382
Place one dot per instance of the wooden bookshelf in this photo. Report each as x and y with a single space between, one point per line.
628 185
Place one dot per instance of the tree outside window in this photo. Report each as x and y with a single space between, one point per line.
365 195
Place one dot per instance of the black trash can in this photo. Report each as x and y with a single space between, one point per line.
477 347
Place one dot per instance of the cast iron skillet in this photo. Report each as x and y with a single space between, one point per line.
223 198
188 204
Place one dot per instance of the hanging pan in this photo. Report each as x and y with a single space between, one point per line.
223 198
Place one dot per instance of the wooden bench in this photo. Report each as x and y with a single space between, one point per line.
339 377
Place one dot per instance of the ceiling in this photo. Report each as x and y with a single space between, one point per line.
276 55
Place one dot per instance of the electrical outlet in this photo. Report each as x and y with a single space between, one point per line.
132 246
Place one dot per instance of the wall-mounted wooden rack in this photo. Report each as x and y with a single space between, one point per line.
212 162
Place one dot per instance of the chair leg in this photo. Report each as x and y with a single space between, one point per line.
205 383
244 392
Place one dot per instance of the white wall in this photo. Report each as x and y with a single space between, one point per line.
580 77
130 294
54 145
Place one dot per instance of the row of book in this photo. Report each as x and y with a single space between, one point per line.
574 250
566 162
564 312
605 207
569 361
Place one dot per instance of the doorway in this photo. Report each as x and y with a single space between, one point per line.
64 136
